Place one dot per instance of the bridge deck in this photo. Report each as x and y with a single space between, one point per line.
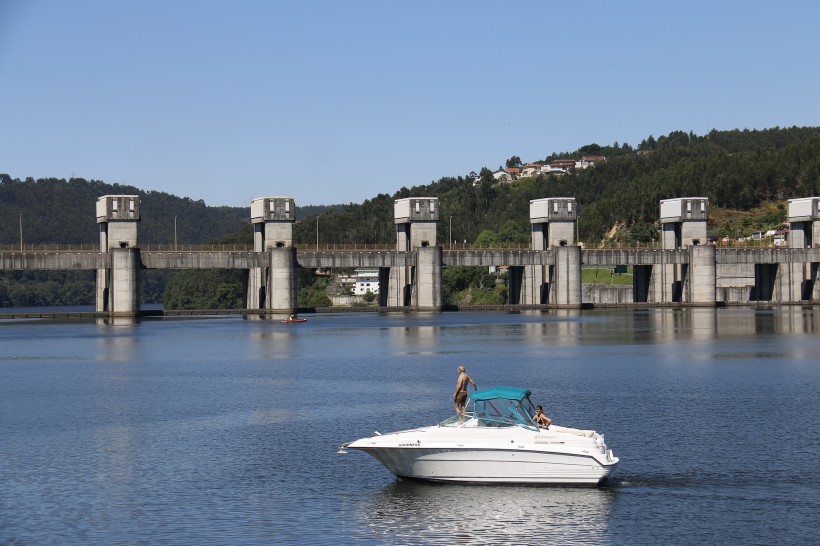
245 259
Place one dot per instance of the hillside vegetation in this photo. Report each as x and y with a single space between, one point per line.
737 171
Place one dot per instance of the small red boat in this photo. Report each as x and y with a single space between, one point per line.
292 319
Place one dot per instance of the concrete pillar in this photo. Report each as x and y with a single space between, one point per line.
663 280
102 291
535 285
702 275
398 286
256 295
788 283
567 290
117 217
282 282
124 292
428 283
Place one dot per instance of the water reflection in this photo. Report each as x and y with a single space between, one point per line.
415 339
275 342
737 322
116 346
408 512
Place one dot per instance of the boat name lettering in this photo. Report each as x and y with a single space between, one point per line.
417 443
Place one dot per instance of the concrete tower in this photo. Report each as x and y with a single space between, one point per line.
683 224
553 223
416 220
273 288
804 217
118 287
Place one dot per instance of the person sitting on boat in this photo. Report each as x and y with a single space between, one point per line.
292 317
540 419
460 394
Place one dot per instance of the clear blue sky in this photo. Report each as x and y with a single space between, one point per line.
338 101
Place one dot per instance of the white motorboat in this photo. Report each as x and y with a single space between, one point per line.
494 441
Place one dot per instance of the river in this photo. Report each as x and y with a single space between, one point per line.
224 430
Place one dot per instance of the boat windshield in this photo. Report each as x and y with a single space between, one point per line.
497 407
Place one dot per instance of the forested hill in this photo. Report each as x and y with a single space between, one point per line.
64 212
736 169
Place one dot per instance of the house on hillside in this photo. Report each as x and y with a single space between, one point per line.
562 163
589 160
531 169
501 175
561 166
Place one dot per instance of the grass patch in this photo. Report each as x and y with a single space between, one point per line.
605 275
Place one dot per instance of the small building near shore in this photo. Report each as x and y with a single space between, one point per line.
367 280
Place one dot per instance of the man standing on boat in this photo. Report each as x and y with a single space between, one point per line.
460 394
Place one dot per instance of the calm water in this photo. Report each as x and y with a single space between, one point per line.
224 430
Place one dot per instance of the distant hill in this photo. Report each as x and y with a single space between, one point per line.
59 211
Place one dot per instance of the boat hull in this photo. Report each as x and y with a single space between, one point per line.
491 466
473 456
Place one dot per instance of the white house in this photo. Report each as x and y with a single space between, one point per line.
502 176
588 161
367 280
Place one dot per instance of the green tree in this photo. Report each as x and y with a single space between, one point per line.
487 239
511 232
485 176
205 289
314 294
643 233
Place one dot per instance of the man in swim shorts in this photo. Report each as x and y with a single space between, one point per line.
460 394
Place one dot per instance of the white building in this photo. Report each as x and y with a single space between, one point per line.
367 280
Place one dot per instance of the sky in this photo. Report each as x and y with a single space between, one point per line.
339 101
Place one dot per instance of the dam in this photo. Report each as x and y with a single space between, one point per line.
685 271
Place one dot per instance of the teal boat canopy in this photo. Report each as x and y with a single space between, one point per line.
497 407
507 393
